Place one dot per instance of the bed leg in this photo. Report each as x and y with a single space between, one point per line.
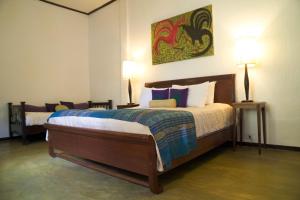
154 185
153 181
51 151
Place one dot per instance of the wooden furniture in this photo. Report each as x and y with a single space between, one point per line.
17 119
261 116
106 104
17 123
132 105
133 156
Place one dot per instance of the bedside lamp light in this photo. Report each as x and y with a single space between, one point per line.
247 50
129 70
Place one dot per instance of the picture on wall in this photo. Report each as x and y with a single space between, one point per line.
184 36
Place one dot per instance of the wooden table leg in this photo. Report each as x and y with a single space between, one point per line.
234 129
258 110
263 111
241 124
24 139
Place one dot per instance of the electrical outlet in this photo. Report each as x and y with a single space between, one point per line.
250 138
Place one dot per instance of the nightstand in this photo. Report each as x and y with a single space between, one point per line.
127 106
261 116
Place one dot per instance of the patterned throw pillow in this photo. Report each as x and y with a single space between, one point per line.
180 95
166 103
81 106
160 94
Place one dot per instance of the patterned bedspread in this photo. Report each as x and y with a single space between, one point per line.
173 131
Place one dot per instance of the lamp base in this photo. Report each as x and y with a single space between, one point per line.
246 101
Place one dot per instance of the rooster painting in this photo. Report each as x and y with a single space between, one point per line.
200 22
166 31
182 37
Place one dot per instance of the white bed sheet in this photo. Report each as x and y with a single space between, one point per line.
36 118
40 118
208 119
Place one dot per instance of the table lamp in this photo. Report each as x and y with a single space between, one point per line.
247 50
129 70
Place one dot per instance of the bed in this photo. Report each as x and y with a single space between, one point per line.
133 156
25 120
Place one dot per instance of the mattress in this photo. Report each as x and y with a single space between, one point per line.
208 119
36 118
40 118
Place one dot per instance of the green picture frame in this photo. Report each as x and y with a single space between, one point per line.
182 37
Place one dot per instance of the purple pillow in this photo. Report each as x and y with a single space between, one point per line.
51 106
160 94
31 108
81 106
70 105
180 95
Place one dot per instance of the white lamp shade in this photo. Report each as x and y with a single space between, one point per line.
129 69
247 51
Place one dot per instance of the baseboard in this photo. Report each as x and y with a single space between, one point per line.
272 146
8 138
4 138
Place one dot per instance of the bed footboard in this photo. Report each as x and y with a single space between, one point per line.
109 152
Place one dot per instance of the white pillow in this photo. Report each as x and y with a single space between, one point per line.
180 86
146 97
211 92
197 94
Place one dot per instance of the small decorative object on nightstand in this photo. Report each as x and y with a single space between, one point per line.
127 106
261 116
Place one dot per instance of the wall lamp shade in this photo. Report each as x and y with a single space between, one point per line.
129 70
247 54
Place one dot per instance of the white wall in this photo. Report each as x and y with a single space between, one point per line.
105 54
43 55
276 78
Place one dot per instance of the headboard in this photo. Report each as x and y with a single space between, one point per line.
224 90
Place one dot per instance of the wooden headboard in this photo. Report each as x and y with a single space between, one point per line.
224 90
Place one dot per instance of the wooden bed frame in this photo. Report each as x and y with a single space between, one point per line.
133 156
17 120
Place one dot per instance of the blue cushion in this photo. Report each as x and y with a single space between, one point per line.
160 94
180 95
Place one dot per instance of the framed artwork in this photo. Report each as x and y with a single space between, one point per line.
184 36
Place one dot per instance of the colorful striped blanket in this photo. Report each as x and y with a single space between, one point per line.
173 131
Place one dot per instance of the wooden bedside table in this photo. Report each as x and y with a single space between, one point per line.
127 106
261 116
